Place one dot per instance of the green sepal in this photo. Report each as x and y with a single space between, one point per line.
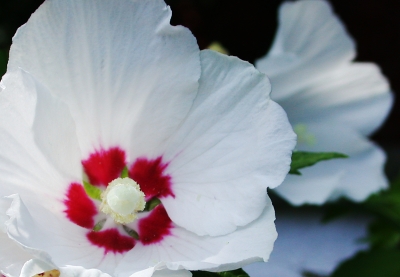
233 273
125 172
131 232
301 159
150 205
99 225
92 191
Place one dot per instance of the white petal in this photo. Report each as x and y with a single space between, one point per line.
55 134
52 125
305 244
234 144
18 95
4 205
310 41
12 257
184 250
77 271
22 163
127 75
35 266
181 245
248 244
355 177
161 270
22 229
172 273
355 95
44 234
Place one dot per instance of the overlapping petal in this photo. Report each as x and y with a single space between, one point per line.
12 257
114 87
235 249
23 163
332 103
212 160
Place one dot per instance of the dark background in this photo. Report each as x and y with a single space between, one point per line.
246 28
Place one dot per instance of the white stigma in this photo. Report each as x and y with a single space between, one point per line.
122 200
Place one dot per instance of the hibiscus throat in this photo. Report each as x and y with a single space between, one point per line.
120 203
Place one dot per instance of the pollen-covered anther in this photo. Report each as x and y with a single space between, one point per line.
122 200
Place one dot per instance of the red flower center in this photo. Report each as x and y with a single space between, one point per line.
101 168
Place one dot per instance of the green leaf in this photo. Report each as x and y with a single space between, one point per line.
125 172
384 231
373 263
92 191
301 159
386 204
383 234
233 273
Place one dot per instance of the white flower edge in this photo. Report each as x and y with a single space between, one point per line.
306 244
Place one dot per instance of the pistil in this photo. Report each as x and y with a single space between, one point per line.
122 200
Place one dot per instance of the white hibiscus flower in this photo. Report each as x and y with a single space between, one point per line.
332 103
114 91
